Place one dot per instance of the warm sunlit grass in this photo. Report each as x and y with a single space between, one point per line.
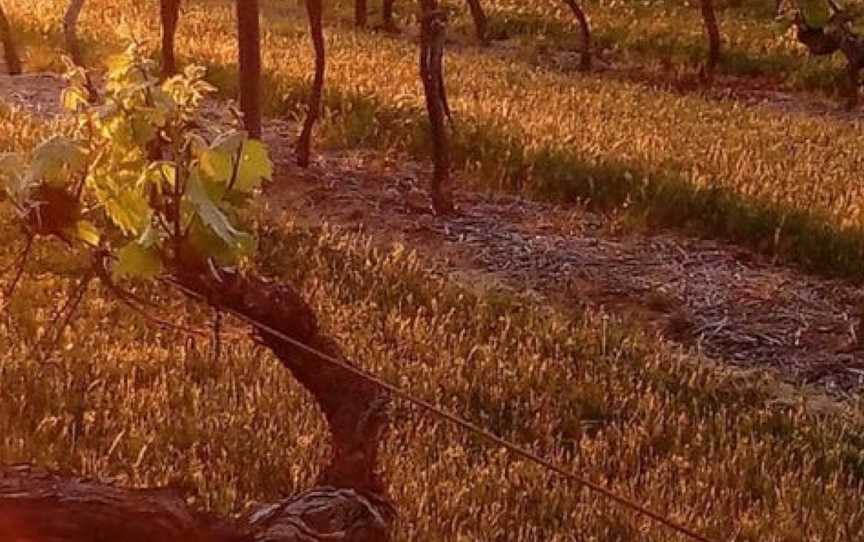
722 451
785 183
668 36
731 454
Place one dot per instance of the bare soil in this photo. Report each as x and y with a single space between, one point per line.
731 304
35 93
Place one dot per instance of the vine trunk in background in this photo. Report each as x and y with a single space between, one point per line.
10 51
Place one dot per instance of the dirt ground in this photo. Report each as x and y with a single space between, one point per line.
727 302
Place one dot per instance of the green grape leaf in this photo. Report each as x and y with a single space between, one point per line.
137 262
209 212
162 175
74 98
87 232
128 209
205 242
255 167
229 142
119 130
118 65
55 158
129 186
151 237
217 165
816 13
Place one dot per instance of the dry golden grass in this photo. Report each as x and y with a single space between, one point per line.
784 183
668 36
720 450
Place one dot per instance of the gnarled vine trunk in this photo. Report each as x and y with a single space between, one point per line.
350 503
354 408
169 11
712 31
433 25
836 36
249 46
585 65
304 143
10 52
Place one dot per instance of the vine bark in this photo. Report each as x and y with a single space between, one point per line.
481 22
70 31
585 28
314 11
712 31
249 46
361 13
170 15
388 18
349 504
433 25
10 51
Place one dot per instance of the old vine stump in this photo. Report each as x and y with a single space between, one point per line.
349 504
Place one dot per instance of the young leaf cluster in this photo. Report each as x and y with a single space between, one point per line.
165 185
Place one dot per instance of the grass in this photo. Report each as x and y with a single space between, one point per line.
782 183
659 34
730 453
714 449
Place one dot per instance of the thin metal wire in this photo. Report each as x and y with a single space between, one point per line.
463 423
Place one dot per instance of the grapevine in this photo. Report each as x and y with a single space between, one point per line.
143 179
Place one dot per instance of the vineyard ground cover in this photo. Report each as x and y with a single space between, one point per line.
725 451
730 303
649 39
733 304
720 449
782 183
666 38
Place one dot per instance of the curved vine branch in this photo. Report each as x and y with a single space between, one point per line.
349 503
585 65
354 408
73 45
70 31
304 143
